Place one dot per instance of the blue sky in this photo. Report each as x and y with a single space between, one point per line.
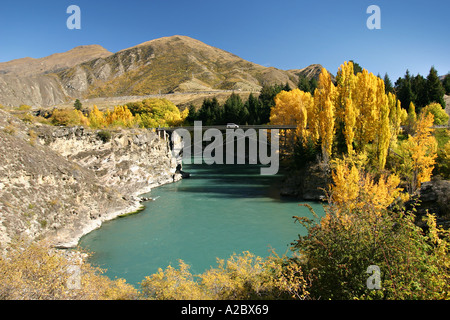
286 34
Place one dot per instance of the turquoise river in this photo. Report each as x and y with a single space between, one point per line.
220 210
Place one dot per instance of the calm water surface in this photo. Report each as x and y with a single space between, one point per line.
219 211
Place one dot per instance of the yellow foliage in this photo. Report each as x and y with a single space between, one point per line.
418 154
96 118
293 108
241 277
37 272
67 117
353 189
121 116
440 116
323 126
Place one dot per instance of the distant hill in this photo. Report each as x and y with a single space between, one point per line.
54 63
165 65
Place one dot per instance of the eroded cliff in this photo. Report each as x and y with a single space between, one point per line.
61 183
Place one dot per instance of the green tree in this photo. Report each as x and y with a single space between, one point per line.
356 67
403 89
435 89
389 88
233 110
304 84
192 115
307 85
267 98
446 84
419 88
78 105
210 113
254 106
440 116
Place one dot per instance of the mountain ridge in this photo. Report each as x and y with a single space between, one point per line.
164 65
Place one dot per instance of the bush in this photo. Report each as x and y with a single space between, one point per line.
104 135
440 116
356 234
37 272
241 277
24 107
68 117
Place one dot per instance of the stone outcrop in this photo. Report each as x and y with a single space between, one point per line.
61 183
131 161
434 197
308 183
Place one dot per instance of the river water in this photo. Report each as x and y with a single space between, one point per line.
220 210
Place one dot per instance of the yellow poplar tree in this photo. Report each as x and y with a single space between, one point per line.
324 97
292 108
96 118
418 154
346 112
365 100
383 138
121 116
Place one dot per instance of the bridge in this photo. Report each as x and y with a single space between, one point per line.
224 127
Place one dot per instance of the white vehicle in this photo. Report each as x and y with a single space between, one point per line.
232 126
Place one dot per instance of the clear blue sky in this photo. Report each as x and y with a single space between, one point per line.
284 34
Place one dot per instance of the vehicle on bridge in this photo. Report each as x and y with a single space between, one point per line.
232 126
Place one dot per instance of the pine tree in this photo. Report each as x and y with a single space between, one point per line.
435 90
446 84
267 96
419 88
77 105
403 89
304 84
388 84
254 106
356 67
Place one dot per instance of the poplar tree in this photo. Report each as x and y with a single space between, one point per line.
324 98
346 112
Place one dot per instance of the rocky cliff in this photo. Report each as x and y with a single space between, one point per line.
61 183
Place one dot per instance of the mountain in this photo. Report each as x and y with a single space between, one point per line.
165 65
54 63
34 82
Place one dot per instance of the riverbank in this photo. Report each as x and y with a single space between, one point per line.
60 183
72 238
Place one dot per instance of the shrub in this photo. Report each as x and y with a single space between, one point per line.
241 277
440 116
37 272
104 135
68 117
24 107
356 234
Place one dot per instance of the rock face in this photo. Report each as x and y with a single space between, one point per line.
434 197
61 183
308 183
131 162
